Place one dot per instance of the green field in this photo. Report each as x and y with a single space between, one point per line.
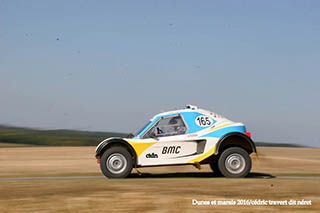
19 135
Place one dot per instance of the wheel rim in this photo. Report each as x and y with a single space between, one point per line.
235 163
116 163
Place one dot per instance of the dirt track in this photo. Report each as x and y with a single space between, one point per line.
67 179
80 161
143 176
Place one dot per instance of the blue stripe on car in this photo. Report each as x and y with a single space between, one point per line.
221 132
189 118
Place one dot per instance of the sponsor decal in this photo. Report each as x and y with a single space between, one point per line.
171 150
151 155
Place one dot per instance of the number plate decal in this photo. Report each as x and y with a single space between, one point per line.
203 121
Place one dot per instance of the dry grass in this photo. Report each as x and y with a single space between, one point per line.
149 193
135 195
7 145
47 161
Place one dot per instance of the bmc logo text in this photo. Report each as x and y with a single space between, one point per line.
171 150
152 155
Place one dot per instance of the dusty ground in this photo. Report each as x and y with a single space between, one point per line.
161 190
57 161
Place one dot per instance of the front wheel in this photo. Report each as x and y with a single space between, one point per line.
116 162
234 162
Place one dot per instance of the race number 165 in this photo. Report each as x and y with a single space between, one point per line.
203 121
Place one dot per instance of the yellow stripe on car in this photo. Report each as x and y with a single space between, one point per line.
140 147
212 150
222 126
202 157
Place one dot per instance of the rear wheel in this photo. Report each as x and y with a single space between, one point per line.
234 162
116 162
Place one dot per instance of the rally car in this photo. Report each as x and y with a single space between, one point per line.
187 136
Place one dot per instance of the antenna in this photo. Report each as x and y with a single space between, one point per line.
192 107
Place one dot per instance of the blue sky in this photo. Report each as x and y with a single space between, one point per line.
111 65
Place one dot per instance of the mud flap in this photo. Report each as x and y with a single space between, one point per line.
139 173
257 156
197 165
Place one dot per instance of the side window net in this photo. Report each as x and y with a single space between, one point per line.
168 126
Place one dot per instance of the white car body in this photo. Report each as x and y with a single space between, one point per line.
203 131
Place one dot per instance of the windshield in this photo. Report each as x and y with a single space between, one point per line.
141 129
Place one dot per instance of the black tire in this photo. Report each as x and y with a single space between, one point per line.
234 162
215 168
114 157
